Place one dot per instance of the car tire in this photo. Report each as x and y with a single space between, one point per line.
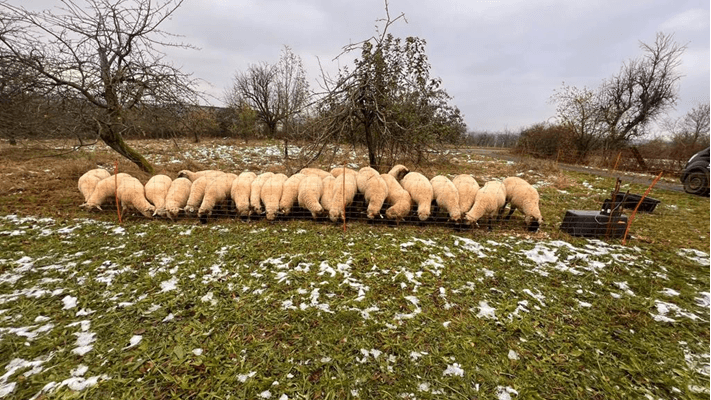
697 182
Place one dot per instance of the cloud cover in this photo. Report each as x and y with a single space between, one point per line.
500 60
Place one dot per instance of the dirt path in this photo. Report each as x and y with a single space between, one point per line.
633 177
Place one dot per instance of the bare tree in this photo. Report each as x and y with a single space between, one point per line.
644 89
578 111
106 54
278 93
693 129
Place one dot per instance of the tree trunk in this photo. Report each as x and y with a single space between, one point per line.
371 146
113 139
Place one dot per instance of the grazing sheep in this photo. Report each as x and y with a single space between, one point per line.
421 191
489 201
521 195
315 171
310 191
241 188
399 198
105 191
87 182
255 192
197 192
157 189
399 171
290 193
271 194
176 199
131 195
344 191
467 187
374 189
446 196
193 176
217 191
337 171
327 194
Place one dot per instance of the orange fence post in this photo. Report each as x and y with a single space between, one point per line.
617 162
654 182
118 206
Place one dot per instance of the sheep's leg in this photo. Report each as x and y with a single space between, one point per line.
510 212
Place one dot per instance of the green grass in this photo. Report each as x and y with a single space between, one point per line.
303 310
306 307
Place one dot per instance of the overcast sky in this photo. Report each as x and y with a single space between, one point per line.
499 60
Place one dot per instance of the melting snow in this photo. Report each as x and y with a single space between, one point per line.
454 370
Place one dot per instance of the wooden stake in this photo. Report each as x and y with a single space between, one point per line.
344 196
118 206
617 162
654 182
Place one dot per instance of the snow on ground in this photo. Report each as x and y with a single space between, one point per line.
306 283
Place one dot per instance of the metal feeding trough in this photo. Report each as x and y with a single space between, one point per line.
608 222
630 201
588 223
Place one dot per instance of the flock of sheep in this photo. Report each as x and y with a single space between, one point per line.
320 192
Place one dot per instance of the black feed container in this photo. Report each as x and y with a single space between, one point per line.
630 202
587 223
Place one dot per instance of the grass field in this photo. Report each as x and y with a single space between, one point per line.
303 310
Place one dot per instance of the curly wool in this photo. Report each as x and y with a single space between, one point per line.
176 199
446 196
524 197
489 201
421 191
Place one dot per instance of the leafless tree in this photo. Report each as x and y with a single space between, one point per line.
643 90
278 93
106 54
578 111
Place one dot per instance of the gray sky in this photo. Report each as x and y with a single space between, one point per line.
499 60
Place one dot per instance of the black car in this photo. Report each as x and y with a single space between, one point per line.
695 175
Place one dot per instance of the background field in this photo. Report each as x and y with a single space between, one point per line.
302 309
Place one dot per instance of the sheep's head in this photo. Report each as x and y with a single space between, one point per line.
149 211
89 207
184 174
399 171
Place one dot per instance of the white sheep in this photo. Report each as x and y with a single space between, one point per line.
240 191
176 199
310 191
157 189
344 191
193 176
197 192
488 203
131 195
467 187
290 193
399 199
374 190
105 191
255 192
446 196
337 171
399 171
87 182
217 191
327 193
421 191
315 171
271 194
524 197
